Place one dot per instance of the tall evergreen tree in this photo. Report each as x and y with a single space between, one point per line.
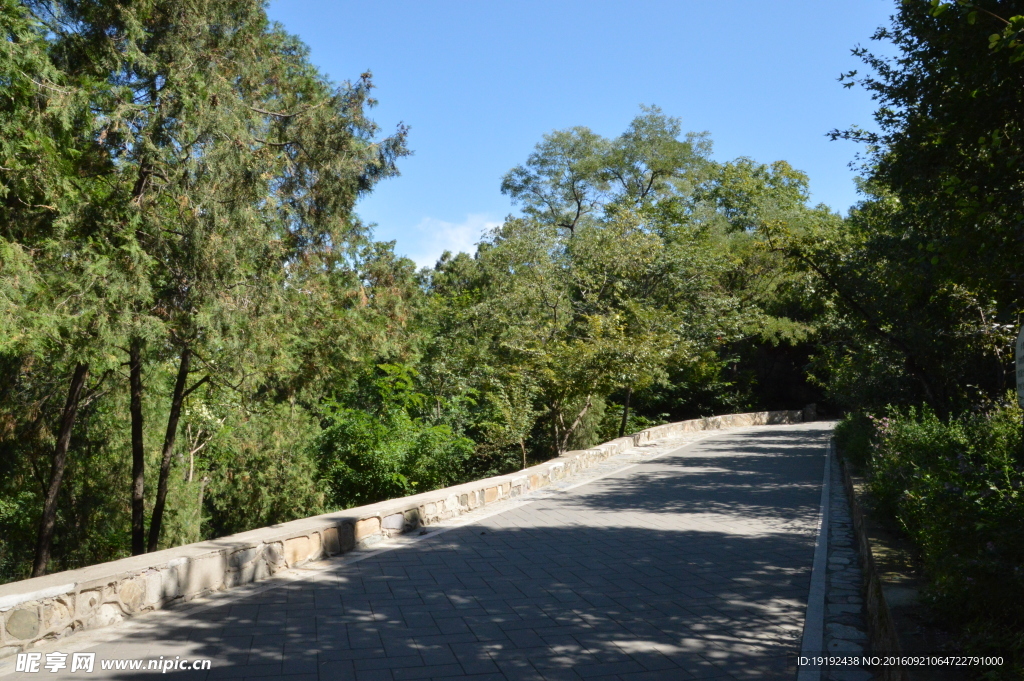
64 285
233 164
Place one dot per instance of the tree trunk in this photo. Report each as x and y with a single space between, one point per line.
60 457
575 424
522 445
138 448
625 412
165 462
202 492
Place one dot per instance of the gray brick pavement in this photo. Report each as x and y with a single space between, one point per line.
694 565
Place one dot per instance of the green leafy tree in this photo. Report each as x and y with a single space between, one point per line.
576 175
925 283
638 260
232 159
925 274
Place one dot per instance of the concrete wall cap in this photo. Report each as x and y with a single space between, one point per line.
9 601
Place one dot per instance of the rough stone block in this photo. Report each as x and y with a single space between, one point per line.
151 581
346 537
248 573
332 544
412 518
274 553
490 494
395 521
23 624
367 527
132 595
109 592
172 582
204 574
58 613
297 550
302 549
107 614
464 501
88 601
430 510
845 632
261 570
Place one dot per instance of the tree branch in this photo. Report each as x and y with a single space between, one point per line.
204 379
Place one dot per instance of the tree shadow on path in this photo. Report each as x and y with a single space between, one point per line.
695 565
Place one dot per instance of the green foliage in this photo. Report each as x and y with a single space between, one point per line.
925 273
924 302
177 185
180 179
853 437
957 490
575 175
648 264
260 470
748 193
386 452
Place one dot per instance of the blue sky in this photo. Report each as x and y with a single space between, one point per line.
480 82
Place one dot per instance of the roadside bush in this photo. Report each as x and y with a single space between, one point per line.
853 438
368 456
957 489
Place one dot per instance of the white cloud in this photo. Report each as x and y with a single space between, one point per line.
432 237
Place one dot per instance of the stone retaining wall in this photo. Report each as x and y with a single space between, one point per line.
881 630
58 605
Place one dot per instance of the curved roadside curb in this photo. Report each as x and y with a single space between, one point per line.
838 622
812 643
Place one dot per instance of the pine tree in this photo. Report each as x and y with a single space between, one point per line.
232 166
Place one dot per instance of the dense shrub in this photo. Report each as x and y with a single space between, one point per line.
853 437
368 456
957 489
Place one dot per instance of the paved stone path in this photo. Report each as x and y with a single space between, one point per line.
691 565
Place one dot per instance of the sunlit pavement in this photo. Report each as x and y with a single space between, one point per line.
693 565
